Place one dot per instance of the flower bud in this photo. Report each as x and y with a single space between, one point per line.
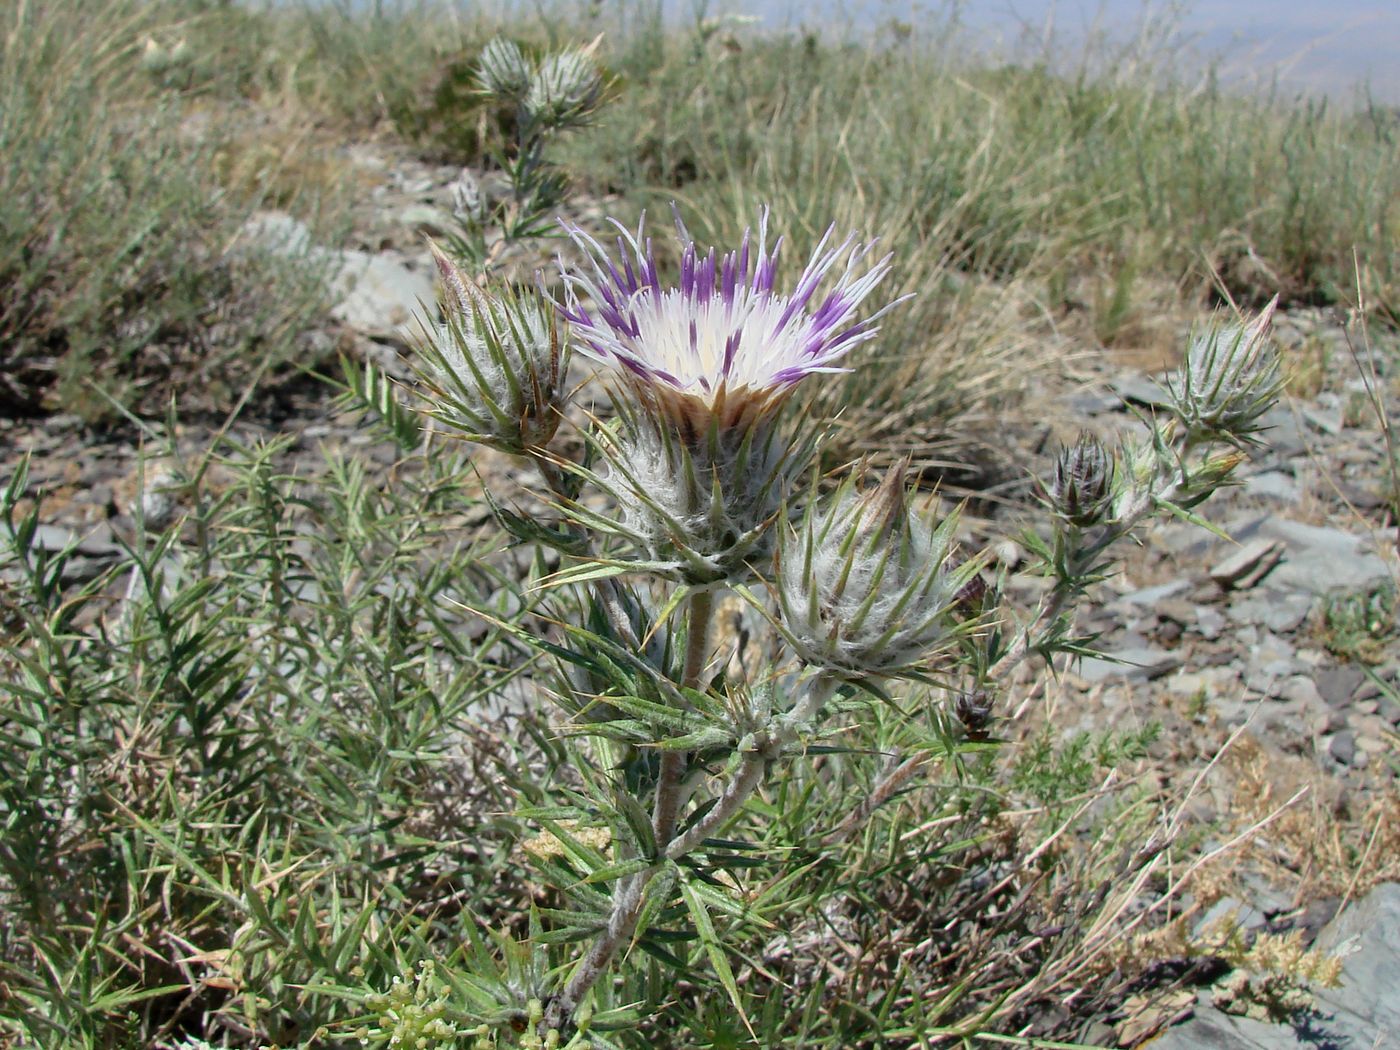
867 588
504 70
496 365
565 89
468 205
973 708
1229 379
1082 486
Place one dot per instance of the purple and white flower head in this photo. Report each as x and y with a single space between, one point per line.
697 463
724 345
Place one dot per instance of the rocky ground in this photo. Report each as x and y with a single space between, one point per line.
1269 658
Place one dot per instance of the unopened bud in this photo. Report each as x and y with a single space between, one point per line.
504 70
868 589
1230 378
565 89
702 504
973 709
496 364
1082 486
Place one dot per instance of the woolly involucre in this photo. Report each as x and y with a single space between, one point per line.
867 587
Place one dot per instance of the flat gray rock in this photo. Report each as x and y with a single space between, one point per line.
276 233
1316 559
382 296
1363 1014
1368 934
1137 389
1132 662
1248 564
1272 484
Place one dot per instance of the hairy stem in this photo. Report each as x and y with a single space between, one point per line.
631 891
673 763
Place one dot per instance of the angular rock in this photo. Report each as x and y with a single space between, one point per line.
1317 559
1248 565
1140 663
1362 1014
1209 623
1278 611
1338 685
1152 597
1369 930
276 233
1342 747
426 219
1137 389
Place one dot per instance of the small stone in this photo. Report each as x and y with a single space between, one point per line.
1142 663
1209 623
1281 719
424 218
1326 720
1153 597
1301 689
1248 565
1342 747
1231 910
1329 422
1318 559
1288 612
1338 685
382 296
1272 484
276 233
1135 388
1371 745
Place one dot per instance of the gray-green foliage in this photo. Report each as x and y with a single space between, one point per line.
240 759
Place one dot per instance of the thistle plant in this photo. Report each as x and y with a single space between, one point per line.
547 96
1096 496
696 480
701 373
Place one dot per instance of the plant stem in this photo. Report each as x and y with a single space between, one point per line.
673 763
631 891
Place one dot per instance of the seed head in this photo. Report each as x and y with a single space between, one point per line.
495 364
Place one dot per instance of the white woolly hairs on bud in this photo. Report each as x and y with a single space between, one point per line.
867 587
699 498
504 69
1230 377
566 85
